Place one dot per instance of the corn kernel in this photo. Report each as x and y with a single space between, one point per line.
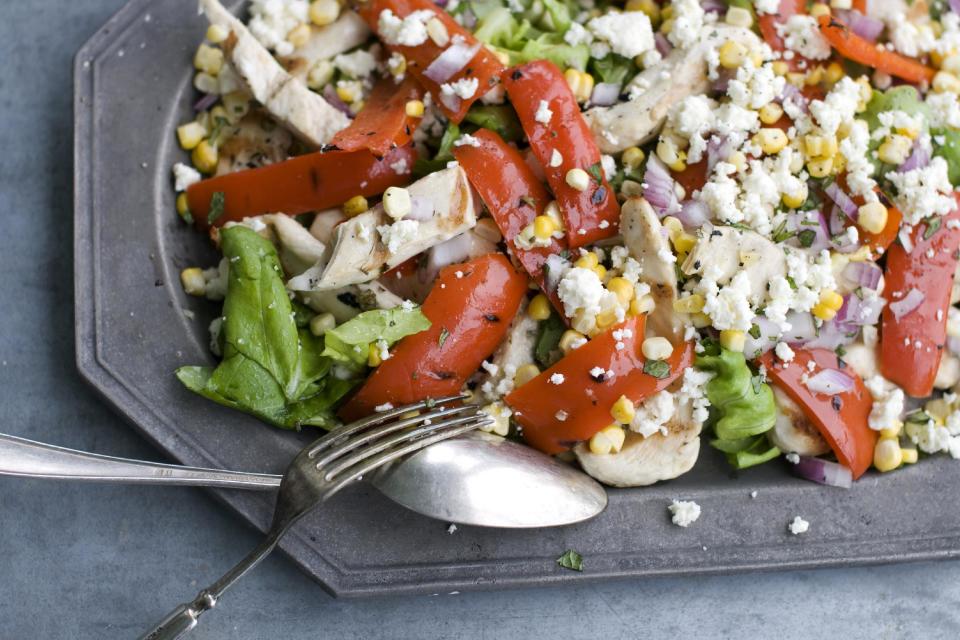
324 12
887 455
872 217
355 206
733 339
739 17
580 83
632 157
796 79
320 74
321 323
700 320
814 76
892 432
539 307
587 260
685 242
668 152
733 54
525 374
648 7
501 418
739 161
673 226
205 83
771 140
841 4
938 409
544 227
437 31
193 282
641 305
606 318
608 440
601 272
622 288
205 157
299 35
667 25
349 90
895 149
578 179
183 205
820 9
656 348
823 311
909 456
770 113
780 67
666 12
396 202
208 59
834 73
831 299
414 108
797 198
190 135
689 304
951 64
623 410
820 167
945 82
571 340
373 355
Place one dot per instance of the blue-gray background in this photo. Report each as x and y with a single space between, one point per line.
87 561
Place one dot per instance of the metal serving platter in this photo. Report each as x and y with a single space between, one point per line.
133 86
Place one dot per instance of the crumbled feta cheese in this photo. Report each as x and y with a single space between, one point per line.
557 378
944 110
693 392
411 31
576 34
755 87
543 114
888 403
652 416
561 415
581 288
464 88
272 20
380 408
860 170
184 176
467 140
683 513
399 167
793 458
838 107
395 235
801 33
628 34
688 18
924 191
798 526
784 352
358 64
452 529
728 306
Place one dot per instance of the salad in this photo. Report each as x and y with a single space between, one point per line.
622 229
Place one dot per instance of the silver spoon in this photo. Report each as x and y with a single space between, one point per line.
478 479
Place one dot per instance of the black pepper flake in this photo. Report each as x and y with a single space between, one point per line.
696 264
158 282
598 195
406 129
837 403
841 364
715 233
491 317
600 377
444 375
516 75
329 147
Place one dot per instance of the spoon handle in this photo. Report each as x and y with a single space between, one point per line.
30 459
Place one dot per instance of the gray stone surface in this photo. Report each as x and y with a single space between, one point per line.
84 561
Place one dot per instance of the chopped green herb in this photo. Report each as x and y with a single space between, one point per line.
931 226
530 201
547 350
757 383
596 171
571 560
659 369
806 237
918 417
792 283
217 202
781 233
444 334
754 331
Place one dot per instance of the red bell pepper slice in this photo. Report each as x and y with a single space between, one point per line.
583 401
469 316
842 418
693 177
911 346
513 196
484 66
305 183
383 123
768 25
589 215
853 47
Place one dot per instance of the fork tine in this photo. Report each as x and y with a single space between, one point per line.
369 464
352 427
347 444
384 443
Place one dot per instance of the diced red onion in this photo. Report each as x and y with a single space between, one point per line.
207 101
718 148
857 312
823 472
459 248
454 58
663 45
907 303
802 328
769 334
440 3
693 214
842 200
918 159
467 18
659 188
330 95
605 94
713 6
722 83
863 274
830 382
955 6
794 95
831 335
866 27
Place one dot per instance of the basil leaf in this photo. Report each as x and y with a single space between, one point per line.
931 226
806 237
571 560
547 351
659 369
349 343
501 119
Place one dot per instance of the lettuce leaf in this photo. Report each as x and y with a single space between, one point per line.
949 151
271 368
349 343
903 98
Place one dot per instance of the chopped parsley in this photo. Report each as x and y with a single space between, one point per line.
217 203
659 369
571 560
444 334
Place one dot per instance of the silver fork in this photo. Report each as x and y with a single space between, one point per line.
325 467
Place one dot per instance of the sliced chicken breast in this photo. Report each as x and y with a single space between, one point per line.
793 432
347 32
723 252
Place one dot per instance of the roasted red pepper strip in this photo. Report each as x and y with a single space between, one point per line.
383 123
469 318
484 66
513 196
306 183
693 177
583 401
768 25
842 418
592 214
911 346
853 47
